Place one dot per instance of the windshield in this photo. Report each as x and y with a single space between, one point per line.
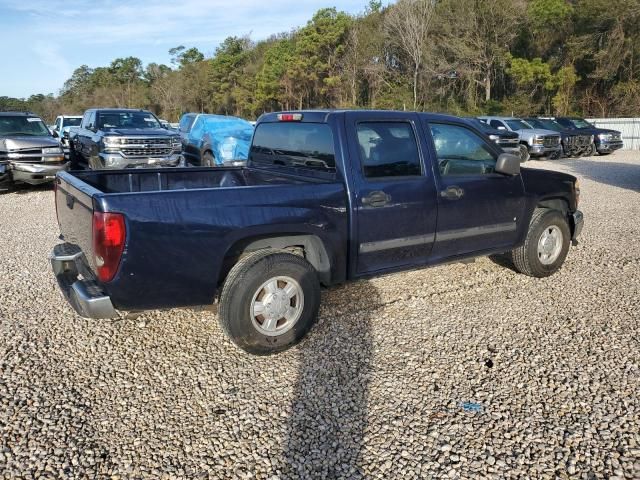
550 125
481 125
140 120
308 145
71 122
518 124
23 126
580 123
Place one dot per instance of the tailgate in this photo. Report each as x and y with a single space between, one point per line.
74 206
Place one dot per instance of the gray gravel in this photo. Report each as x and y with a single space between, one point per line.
550 368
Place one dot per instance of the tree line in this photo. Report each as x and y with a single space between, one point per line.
463 57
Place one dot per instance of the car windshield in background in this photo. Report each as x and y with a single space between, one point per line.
550 125
139 120
308 145
480 124
580 123
518 125
23 126
72 122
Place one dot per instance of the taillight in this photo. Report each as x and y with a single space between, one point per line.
289 117
109 233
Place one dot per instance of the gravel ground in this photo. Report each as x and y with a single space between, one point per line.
460 371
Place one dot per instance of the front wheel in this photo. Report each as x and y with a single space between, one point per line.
269 301
524 153
546 246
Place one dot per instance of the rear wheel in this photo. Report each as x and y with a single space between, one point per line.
269 301
547 244
208 160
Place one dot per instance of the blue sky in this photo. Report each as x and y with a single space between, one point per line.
43 41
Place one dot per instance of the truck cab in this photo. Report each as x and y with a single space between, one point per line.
326 197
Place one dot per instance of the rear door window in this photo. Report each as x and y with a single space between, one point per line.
388 149
295 144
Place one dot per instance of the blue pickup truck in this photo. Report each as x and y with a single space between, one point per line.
326 197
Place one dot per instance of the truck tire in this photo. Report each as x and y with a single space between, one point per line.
546 246
269 301
74 163
524 153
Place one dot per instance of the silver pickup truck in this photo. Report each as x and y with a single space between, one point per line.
28 152
540 142
110 138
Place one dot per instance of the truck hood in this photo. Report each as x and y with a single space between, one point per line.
21 142
594 131
139 132
537 131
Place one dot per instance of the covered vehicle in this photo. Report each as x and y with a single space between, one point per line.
574 143
606 141
28 152
215 140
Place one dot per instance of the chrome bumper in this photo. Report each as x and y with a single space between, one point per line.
541 150
610 146
118 162
36 173
84 294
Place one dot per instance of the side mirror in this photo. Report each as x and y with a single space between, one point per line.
55 133
502 128
508 164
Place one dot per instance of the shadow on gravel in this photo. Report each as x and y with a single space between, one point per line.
503 260
21 189
622 175
325 432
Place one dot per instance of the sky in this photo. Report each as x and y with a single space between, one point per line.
44 41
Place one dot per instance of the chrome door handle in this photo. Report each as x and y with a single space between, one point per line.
452 193
376 199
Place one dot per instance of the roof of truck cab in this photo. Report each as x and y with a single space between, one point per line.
15 114
323 115
120 110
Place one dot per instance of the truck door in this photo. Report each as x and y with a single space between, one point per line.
478 210
394 191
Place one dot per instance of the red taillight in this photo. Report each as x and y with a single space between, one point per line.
289 117
109 233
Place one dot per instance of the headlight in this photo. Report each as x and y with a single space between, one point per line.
604 136
176 143
51 150
228 149
494 137
111 141
538 140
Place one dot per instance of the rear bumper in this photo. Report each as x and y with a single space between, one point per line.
84 294
36 173
577 220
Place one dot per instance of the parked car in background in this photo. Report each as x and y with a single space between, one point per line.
326 197
113 138
62 126
539 142
508 141
574 144
213 140
28 151
605 141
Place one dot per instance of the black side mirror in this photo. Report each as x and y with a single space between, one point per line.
508 164
55 133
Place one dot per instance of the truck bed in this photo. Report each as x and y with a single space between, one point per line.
154 180
181 224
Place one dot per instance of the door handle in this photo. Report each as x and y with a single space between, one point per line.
376 199
452 193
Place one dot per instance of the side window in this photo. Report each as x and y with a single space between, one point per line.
85 119
92 120
388 149
461 151
59 123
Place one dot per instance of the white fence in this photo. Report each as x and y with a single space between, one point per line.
630 128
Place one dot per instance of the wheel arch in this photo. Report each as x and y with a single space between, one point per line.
309 246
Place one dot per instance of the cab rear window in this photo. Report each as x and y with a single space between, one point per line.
307 145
